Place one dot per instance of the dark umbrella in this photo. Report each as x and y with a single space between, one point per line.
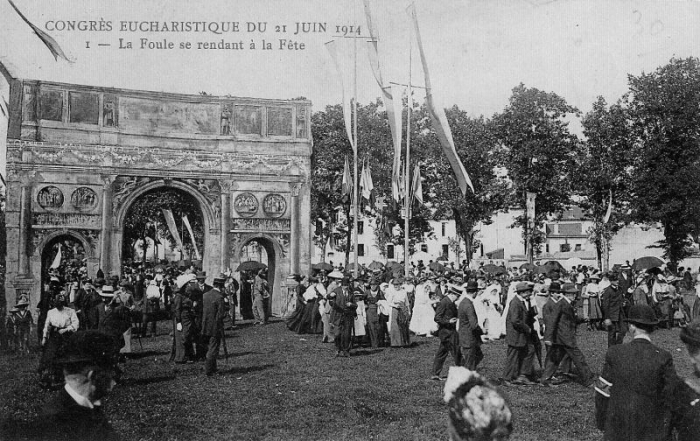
376 265
443 259
647 262
550 266
528 266
392 264
494 269
322 266
437 267
351 267
250 265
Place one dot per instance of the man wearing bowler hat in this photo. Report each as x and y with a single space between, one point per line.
614 305
519 337
632 394
446 318
213 314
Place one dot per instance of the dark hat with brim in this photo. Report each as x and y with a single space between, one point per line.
201 275
555 287
472 286
642 315
569 288
221 278
524 286
690 334
90 347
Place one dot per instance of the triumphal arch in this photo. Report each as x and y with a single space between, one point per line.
78 157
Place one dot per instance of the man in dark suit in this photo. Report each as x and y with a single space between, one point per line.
469 330
446 318
632 393
213 313
75 414
563 334
519 337
343 312
613 304
555 353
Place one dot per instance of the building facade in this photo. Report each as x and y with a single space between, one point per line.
79 157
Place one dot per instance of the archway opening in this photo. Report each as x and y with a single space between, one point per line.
65 255
163 225
260 250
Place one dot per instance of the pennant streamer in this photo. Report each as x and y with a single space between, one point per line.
57 260
347 181
194 244
347 107
392 112
50 43
417 185
439 119
609 211
170 220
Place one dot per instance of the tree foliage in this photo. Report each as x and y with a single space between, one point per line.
538 152
604 171
664 108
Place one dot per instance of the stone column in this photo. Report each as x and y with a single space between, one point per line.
225 225
106 232
294 228
25 214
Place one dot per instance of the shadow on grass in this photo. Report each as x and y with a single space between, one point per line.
142 354
245 370
129 382
363 352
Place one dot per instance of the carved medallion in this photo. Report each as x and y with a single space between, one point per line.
50 198
84 199
246 204
274 205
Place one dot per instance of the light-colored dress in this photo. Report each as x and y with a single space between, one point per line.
360 319
400 316
423 317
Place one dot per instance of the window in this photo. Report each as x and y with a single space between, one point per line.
565 247
546 248
334 217
577 247
319 226
390 251
360 227
445 250
360 249
444 227
424 247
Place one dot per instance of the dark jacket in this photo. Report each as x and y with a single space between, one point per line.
612 304
469 330
445 311
565 325
213 313
550 311
632 393
517 329
686 410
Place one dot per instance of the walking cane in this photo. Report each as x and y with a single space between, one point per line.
223 340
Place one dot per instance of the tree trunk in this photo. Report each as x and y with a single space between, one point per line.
349 234
606 255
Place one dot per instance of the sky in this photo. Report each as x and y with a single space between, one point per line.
477 51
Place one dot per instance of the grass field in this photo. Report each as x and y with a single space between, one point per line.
277 385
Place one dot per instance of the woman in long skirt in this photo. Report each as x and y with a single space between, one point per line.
592 293
295 320
372 296
400 314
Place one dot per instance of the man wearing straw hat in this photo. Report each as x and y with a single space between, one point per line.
633 391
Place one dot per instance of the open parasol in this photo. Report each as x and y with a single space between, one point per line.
437 267
250 265
494 269
647 262
527 266
376 266
322 266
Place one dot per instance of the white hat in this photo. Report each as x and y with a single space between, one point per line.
336 275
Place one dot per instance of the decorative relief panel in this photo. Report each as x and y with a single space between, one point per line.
50 198
83 107
301 122
248 120
246 204
274 205
284 240
124 186
51 104
110 110
164 116
258 224
84 199
279 121
29 103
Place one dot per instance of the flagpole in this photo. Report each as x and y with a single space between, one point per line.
355 189
407 184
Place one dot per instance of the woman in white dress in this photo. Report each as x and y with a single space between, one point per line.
423 317
490 306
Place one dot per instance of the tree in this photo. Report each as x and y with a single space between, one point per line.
603 173
664 107
145 219
475 145
538 152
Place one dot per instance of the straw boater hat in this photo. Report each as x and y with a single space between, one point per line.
107 291
22 301
524 286
336 275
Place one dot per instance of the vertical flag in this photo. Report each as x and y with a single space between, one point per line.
189 229
49 42
609 211
346 191
347 103
57 260
366 181
170 220
417 185
393 106
439 119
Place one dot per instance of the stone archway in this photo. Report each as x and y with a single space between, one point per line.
278 267
211 215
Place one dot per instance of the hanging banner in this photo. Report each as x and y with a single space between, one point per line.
57 260
530 210
170 220
347 101
194 244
